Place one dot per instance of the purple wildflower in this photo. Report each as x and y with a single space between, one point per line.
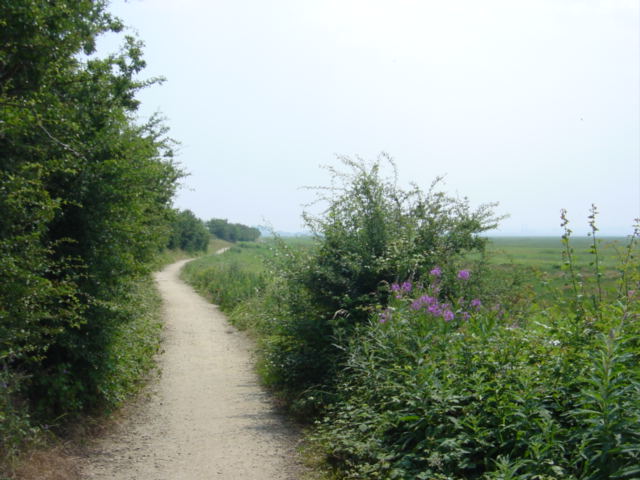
385 316
436 272
464 274
448 315
476 303
427 300
465 315
395 287
406 287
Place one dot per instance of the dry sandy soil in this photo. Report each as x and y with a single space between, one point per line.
206 417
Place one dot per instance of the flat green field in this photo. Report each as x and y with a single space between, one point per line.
537 261
542 253
545 253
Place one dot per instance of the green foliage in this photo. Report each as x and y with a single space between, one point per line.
372 233
188 233
85 195
130 354
31 29
15 424
232 232
553 396
608 412
125 362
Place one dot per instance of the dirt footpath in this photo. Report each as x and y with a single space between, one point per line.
207 417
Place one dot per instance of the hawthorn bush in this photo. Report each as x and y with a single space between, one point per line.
372 234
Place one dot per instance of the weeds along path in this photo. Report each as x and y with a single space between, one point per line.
206 417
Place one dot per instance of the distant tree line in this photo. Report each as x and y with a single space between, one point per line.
232 232
191 234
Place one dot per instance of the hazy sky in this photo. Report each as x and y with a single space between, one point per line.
534 104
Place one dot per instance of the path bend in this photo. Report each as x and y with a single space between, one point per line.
207 417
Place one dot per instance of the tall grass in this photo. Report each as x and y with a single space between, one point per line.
232 277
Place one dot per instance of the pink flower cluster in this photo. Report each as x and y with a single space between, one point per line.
429 302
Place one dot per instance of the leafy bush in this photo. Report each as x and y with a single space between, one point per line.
125 361
130 354
16 426
372 233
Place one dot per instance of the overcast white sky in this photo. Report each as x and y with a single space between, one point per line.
534 104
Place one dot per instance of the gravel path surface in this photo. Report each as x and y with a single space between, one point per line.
206 417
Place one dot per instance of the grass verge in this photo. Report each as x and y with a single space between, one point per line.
232 277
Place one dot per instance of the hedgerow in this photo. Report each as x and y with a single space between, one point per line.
85 196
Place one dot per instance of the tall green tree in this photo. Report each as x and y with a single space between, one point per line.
85 194
188 232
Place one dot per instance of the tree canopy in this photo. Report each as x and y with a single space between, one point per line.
188 232
85 194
